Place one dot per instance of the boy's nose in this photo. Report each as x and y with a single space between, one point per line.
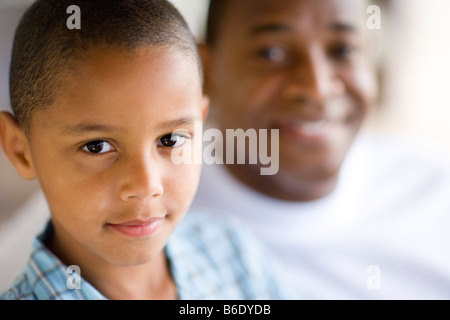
142 179
314 78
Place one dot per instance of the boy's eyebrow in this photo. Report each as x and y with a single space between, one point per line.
83 128
178 122
88 127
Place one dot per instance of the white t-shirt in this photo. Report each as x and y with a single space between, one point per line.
384 233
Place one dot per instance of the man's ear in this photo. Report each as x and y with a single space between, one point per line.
205 108
16 146
205 56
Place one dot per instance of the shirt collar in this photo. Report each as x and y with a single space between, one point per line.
48 276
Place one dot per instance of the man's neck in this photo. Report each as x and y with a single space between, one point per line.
291 190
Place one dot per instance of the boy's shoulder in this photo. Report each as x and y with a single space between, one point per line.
20 290
217 258
45 277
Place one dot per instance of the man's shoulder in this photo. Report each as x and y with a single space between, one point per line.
399 175
217 259
207 232
392 147
393 156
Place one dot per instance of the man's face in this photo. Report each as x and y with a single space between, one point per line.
102 152
298 66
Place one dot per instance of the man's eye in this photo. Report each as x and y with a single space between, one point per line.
273 54
343 52
172 140
98 147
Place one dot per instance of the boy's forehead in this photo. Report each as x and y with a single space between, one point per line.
109 84
114 65
115 57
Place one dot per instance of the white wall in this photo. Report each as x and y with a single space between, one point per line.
417 87
194 11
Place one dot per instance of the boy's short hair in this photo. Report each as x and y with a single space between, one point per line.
45 49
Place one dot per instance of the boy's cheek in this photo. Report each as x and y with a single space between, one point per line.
186 175
182 184
68 191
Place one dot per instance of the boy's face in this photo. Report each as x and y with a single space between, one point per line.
102 152
300 67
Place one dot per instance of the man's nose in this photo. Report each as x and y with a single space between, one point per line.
314 77
141 178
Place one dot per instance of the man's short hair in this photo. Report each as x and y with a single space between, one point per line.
217 10
213 21
45 48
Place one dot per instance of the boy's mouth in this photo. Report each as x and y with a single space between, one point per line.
137 228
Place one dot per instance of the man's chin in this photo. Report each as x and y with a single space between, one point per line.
306 182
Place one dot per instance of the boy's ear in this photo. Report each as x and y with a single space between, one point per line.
204 52
16 146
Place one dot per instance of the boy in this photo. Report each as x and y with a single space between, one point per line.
372 226
98 111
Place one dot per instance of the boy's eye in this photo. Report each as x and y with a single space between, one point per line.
172 140
98 147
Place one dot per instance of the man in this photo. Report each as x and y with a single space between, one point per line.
349 218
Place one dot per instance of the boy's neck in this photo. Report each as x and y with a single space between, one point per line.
149 281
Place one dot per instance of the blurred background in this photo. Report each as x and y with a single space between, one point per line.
414 73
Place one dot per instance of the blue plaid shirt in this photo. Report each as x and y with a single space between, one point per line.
209 259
